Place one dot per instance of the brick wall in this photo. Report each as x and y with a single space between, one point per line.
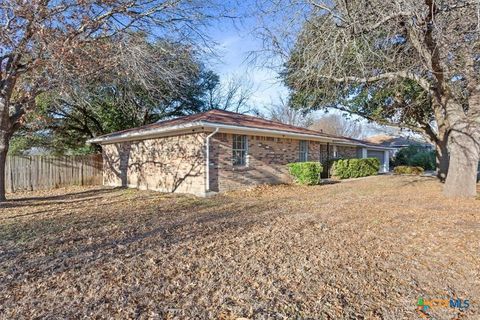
170 164
345 152
266 161
177 163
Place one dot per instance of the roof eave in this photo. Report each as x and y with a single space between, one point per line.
146 134
269 132
186 127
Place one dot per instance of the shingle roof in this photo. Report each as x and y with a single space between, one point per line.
223 117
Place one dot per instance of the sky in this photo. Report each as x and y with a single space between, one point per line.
234 45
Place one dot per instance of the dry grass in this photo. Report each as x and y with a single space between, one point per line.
361 249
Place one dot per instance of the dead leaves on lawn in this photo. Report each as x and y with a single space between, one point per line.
361 249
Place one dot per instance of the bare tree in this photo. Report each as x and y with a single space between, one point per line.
282 112
46 44
349 48
338 125
233 94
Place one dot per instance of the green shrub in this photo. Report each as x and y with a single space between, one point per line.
327 167
307 173
424 159
355 168
415 156
408 170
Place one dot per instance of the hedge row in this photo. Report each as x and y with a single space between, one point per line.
307 173
408 170
355 168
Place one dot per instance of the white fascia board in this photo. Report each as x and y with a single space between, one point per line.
377 148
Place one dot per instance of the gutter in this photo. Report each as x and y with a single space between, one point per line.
207 160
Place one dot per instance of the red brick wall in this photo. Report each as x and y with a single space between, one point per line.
266 161
177 163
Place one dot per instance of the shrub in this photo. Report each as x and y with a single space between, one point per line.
408 170
328 167
424 159
355 168
307 173
415 156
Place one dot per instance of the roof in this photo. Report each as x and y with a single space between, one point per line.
395 142
226 121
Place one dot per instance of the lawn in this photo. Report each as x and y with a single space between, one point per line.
359 249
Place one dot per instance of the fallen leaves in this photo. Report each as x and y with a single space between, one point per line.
357 249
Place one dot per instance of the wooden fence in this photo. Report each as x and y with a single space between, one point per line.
47 172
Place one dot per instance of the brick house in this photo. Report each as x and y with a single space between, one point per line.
217 151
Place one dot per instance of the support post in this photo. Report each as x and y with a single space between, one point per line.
364 153
386 161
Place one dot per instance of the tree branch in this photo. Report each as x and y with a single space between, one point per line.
422 82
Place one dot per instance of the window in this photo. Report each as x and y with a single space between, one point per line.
239 150
303 151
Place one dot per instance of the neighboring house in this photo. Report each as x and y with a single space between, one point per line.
395 143
217 151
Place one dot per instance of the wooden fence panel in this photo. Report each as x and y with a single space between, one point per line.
47 172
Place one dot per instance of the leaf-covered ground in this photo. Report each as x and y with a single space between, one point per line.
359 249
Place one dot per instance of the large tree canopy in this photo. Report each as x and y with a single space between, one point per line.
66 118
47 45
414 63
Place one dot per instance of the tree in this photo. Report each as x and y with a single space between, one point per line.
233 95
408 107
63 124
64 121
110 103
284 113
45 45
338 125
348 49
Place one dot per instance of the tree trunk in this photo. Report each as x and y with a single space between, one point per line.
3 160
6 132
464 157
442 159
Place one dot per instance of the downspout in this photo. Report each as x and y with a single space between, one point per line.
207 160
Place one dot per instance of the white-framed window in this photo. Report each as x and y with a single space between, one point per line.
240 150
303 151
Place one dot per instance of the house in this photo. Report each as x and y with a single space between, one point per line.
217 151
395 143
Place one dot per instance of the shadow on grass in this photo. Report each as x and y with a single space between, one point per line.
74 249
62 198
416 180
329 181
